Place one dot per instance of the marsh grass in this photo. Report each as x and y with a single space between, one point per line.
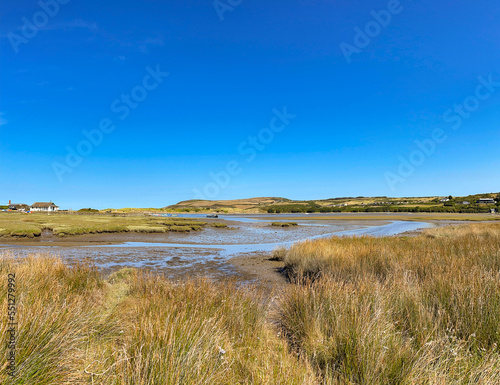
198 332
57 311
63 225
284 224
133 328
394 310
422 309
219 225
10 228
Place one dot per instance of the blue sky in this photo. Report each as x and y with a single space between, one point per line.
418 72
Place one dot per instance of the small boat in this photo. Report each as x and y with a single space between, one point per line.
212 216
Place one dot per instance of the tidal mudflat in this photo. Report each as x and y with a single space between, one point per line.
241 250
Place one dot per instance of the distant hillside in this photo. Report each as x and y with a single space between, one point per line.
235 205
343 204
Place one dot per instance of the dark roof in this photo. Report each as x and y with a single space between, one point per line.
42 204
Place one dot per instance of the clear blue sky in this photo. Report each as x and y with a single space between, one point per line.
358 111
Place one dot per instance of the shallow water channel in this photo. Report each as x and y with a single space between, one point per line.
209 252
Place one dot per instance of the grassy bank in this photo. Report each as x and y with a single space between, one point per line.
394 310
62 225
402 310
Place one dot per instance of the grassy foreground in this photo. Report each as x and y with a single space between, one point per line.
395 310
74 326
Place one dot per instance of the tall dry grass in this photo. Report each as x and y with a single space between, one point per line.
58 311
77 327
397 310
197 332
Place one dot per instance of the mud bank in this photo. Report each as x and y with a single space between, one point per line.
242 253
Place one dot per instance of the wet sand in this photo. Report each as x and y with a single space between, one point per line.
259 268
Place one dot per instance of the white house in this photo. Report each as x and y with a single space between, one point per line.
44 206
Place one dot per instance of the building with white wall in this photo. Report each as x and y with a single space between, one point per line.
44 206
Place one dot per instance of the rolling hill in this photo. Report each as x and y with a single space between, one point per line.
279 204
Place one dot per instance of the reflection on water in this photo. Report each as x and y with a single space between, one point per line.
219 246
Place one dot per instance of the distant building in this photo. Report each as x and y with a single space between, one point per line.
486 201
44 206
466 203
19 206
444 200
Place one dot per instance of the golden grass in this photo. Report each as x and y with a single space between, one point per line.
132 328
195 333
398 310
57 312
